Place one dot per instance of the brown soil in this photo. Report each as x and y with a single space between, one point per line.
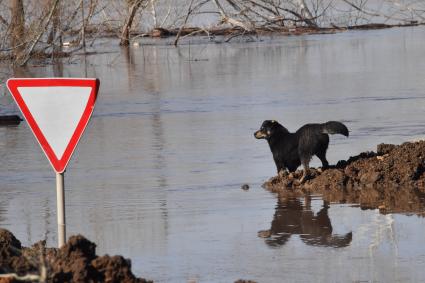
391 179
76 261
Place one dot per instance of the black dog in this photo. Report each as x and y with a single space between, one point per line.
290 150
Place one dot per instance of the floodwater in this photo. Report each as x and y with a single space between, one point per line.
157 177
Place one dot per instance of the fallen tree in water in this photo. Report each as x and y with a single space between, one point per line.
391 179
233 31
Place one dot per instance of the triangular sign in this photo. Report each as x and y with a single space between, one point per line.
57 110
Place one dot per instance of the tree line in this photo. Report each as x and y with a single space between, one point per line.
43 28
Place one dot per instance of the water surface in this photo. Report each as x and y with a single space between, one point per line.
157 175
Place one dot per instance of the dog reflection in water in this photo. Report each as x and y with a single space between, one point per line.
291 217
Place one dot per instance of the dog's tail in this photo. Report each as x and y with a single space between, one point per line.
334 127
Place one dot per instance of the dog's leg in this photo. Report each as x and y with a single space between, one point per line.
322 157
306 171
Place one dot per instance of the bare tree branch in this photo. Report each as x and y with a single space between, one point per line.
42 30
184 23
125 35
225 18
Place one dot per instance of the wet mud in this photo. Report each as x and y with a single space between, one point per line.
391 179
76 261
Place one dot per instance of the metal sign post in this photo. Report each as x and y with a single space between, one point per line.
57 110
60 200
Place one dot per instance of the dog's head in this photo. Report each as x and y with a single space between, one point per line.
268 128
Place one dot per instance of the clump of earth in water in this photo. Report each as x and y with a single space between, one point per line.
391 179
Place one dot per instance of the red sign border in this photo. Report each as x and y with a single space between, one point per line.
59 165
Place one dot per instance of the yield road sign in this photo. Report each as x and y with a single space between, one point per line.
57 110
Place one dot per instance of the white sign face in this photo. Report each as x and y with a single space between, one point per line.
57 111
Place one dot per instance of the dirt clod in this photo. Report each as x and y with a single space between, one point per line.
12 255
76 261
392 179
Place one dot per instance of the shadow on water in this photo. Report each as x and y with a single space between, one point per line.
293 217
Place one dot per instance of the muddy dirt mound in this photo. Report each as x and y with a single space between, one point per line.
391 179
76 261
13 258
